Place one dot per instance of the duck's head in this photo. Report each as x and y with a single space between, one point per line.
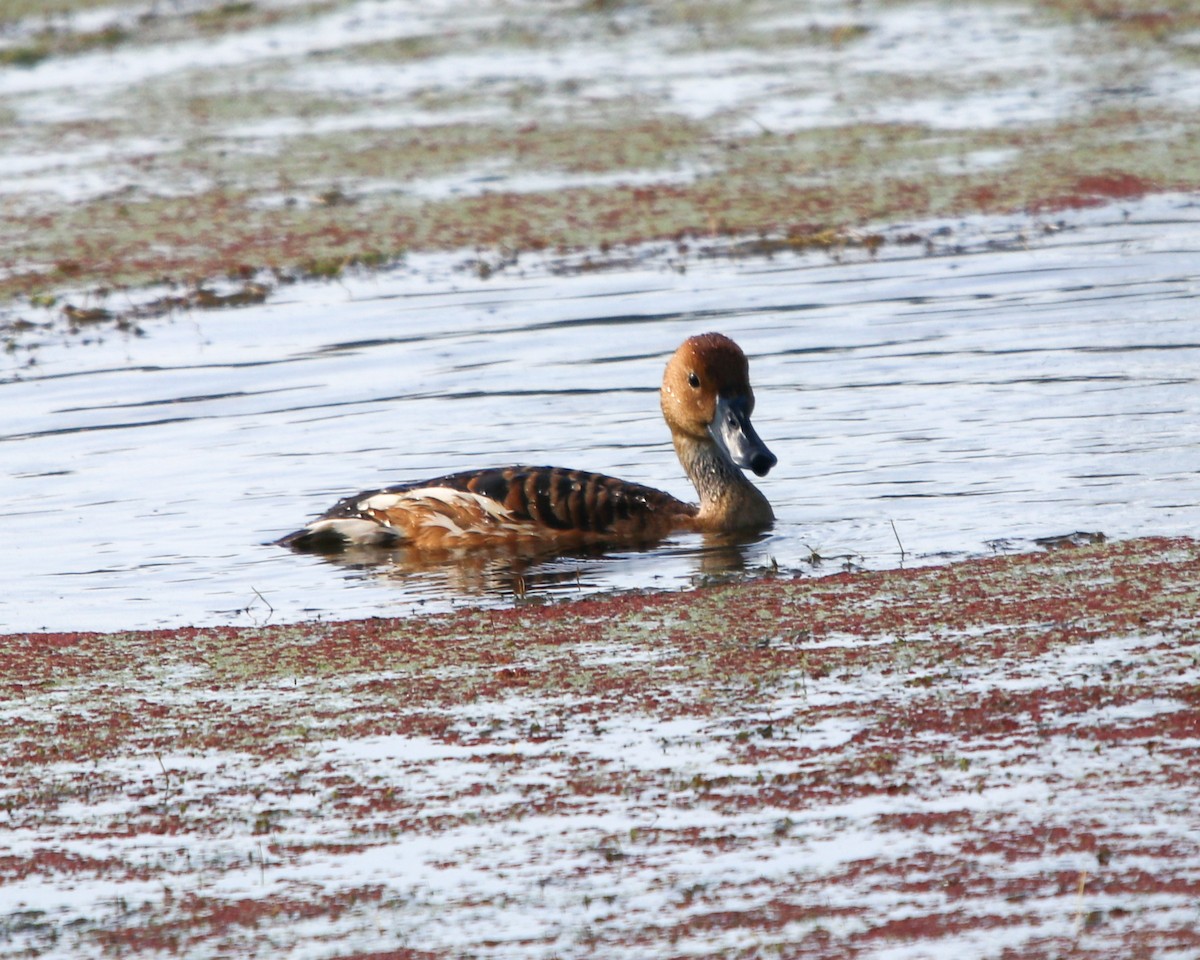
706 397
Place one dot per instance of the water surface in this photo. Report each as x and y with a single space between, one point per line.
947 405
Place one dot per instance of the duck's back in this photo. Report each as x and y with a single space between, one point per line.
508 505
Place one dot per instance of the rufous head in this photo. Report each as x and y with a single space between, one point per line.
706 396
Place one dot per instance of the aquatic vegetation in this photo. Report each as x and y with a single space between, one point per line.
777 761
333 137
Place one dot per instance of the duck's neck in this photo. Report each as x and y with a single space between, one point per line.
728 501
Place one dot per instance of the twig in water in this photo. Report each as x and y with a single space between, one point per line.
898 543
270 609
166 777
1079 902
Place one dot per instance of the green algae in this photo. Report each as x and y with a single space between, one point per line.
16 10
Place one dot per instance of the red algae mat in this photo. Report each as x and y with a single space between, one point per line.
997 758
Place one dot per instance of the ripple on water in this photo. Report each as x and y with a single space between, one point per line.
956 401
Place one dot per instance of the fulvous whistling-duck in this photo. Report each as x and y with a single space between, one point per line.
706 400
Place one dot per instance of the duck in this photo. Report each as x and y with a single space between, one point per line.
706 400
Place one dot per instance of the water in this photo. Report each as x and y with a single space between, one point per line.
955 404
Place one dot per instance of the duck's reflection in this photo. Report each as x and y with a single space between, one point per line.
528 575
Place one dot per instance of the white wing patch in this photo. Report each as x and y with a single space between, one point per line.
461 498
456 514
380 501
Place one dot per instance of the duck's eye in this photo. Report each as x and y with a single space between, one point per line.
693 381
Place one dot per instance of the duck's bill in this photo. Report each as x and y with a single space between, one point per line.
734 433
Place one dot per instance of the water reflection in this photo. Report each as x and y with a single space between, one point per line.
524 574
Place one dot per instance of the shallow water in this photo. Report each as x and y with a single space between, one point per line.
955 404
